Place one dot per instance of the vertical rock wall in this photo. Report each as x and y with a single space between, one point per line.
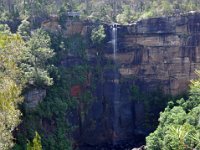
161 52
153 53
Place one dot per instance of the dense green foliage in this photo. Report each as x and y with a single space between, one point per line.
126 16
50 117
35 59
179 127
24 29
35 144
98 35
122 11
23 64
11 50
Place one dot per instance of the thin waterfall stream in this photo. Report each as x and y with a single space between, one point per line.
116 110
116 128
114 40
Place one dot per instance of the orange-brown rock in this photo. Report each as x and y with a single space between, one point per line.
163 52
74 27
52 24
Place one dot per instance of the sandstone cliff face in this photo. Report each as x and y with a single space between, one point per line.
161 52
157 53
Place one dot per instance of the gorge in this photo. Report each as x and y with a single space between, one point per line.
99 75
152 55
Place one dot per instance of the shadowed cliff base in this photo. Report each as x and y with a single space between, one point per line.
156 54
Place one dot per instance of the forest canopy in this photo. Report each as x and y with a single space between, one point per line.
122 11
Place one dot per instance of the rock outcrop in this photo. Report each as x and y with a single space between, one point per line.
153 53
156 53
161 52
34 97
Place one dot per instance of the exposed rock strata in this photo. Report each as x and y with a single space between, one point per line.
161 51
153 53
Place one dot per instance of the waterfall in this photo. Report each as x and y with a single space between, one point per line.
114 40
116 111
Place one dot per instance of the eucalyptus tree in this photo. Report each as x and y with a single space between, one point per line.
35 60
11 51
